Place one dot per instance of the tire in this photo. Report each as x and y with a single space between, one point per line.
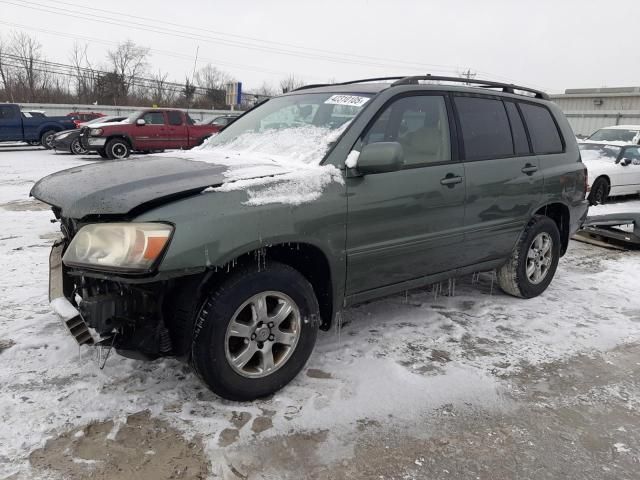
103 153
34 143
599 191
215 345
513 277
76 148
46 139
117 149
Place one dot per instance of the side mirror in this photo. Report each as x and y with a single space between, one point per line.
625 161
140 122
380 157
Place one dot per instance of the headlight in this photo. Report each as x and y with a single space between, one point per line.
124 246
95 132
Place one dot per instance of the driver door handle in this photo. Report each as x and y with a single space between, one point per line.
529 169
451 180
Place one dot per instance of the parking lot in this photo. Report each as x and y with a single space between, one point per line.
442 382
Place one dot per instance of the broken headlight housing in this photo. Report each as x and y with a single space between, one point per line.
132 247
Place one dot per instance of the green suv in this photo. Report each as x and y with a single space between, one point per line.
233 255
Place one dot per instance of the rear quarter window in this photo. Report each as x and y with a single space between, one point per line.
485 128
544 134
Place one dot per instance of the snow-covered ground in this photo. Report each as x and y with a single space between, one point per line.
396 365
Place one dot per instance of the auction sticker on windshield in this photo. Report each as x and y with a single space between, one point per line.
353 100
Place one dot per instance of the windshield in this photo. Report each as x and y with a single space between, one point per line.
614 135
608 153
300 127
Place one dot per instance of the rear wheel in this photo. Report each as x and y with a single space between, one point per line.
533 261
76 147
255 332
599 191
46 139
117 149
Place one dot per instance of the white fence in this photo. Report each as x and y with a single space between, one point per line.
53 109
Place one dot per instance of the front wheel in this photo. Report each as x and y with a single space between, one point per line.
533 261
117 149
46 139
255 332
102 153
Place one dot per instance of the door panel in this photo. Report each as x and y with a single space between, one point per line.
403 225
409 223
152 135
10 124
500 200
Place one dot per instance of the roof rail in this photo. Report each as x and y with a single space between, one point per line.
506 87
362 80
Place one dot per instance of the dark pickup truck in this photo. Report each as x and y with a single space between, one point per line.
145 131
17 127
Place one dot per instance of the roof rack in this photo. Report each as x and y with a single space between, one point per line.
506 87
362 80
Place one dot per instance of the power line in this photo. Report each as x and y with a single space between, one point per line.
208 39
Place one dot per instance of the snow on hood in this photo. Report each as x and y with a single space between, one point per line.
279 166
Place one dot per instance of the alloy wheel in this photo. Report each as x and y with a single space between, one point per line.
262 334
539 258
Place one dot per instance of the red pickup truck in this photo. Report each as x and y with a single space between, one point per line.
144 131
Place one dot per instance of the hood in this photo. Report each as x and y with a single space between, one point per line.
118 187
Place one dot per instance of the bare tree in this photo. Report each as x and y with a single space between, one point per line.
25 51
5 71
86 76
161 91
129 61
213 82
265 90
291 83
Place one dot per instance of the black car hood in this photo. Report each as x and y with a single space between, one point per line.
118 187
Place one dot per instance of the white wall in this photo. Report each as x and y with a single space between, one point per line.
53 109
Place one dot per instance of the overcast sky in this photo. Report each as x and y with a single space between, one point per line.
551 45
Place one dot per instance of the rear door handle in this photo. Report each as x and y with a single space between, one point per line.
529 169
451 180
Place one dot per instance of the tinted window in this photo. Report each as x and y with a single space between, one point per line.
154 118
175 118
485 128
420 124
6 112
517 129
544 134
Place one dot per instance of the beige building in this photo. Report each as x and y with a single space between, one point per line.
589 109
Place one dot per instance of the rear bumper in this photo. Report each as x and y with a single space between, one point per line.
578 217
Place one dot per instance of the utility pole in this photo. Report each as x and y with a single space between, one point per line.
468 74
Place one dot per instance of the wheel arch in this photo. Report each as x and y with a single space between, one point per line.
188 294
560 214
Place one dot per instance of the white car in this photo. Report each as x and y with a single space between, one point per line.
613 170
616 135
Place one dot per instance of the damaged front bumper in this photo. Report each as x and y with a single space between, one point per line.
70 316
98 311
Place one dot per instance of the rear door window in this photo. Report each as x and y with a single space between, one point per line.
175 118
520 142
7 112
485 128
543 131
